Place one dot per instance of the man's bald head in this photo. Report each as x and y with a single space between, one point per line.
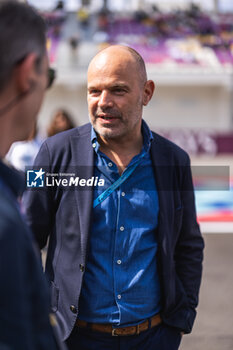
121 52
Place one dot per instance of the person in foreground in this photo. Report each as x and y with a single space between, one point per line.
24 297
125 265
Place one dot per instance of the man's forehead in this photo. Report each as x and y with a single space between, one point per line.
111 74
108 83
112 59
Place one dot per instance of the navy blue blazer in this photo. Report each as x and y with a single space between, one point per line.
65 216
24 294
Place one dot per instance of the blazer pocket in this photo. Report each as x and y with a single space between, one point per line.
54 296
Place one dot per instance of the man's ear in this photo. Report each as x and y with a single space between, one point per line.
26 73
148 91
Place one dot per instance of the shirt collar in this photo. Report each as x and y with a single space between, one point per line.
95 143
146 132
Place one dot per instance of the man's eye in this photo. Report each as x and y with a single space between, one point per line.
94 92
119 91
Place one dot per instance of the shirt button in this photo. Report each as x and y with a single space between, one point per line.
119 296
122 228
123 194
118 262
81 267
110 164
94 145
73 309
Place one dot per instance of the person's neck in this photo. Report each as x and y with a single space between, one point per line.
5 142
6 127
121 150
6 134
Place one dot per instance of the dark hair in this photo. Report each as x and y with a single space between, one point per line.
22 31
53 129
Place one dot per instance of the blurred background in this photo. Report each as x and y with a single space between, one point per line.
188 50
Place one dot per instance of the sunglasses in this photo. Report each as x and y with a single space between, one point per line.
51 77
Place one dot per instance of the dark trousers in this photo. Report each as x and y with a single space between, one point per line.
160 337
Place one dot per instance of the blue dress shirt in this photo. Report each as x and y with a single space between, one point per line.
121 284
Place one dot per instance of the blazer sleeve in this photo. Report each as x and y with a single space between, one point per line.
24 306
38 202
189 247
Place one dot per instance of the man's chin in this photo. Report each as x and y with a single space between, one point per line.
109 133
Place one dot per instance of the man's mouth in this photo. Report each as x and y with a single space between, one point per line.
107 117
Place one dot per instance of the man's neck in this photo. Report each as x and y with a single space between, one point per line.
5 141
7 130
121 151
6 125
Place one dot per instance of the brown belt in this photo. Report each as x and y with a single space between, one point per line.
130 330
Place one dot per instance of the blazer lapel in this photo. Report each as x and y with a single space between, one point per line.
83 156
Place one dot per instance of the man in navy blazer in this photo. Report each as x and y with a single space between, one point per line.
125 251
24 294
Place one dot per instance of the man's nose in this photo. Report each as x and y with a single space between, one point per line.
105 99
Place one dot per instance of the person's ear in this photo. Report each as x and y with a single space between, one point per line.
148 91
26 73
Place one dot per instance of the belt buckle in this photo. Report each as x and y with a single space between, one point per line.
113 332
